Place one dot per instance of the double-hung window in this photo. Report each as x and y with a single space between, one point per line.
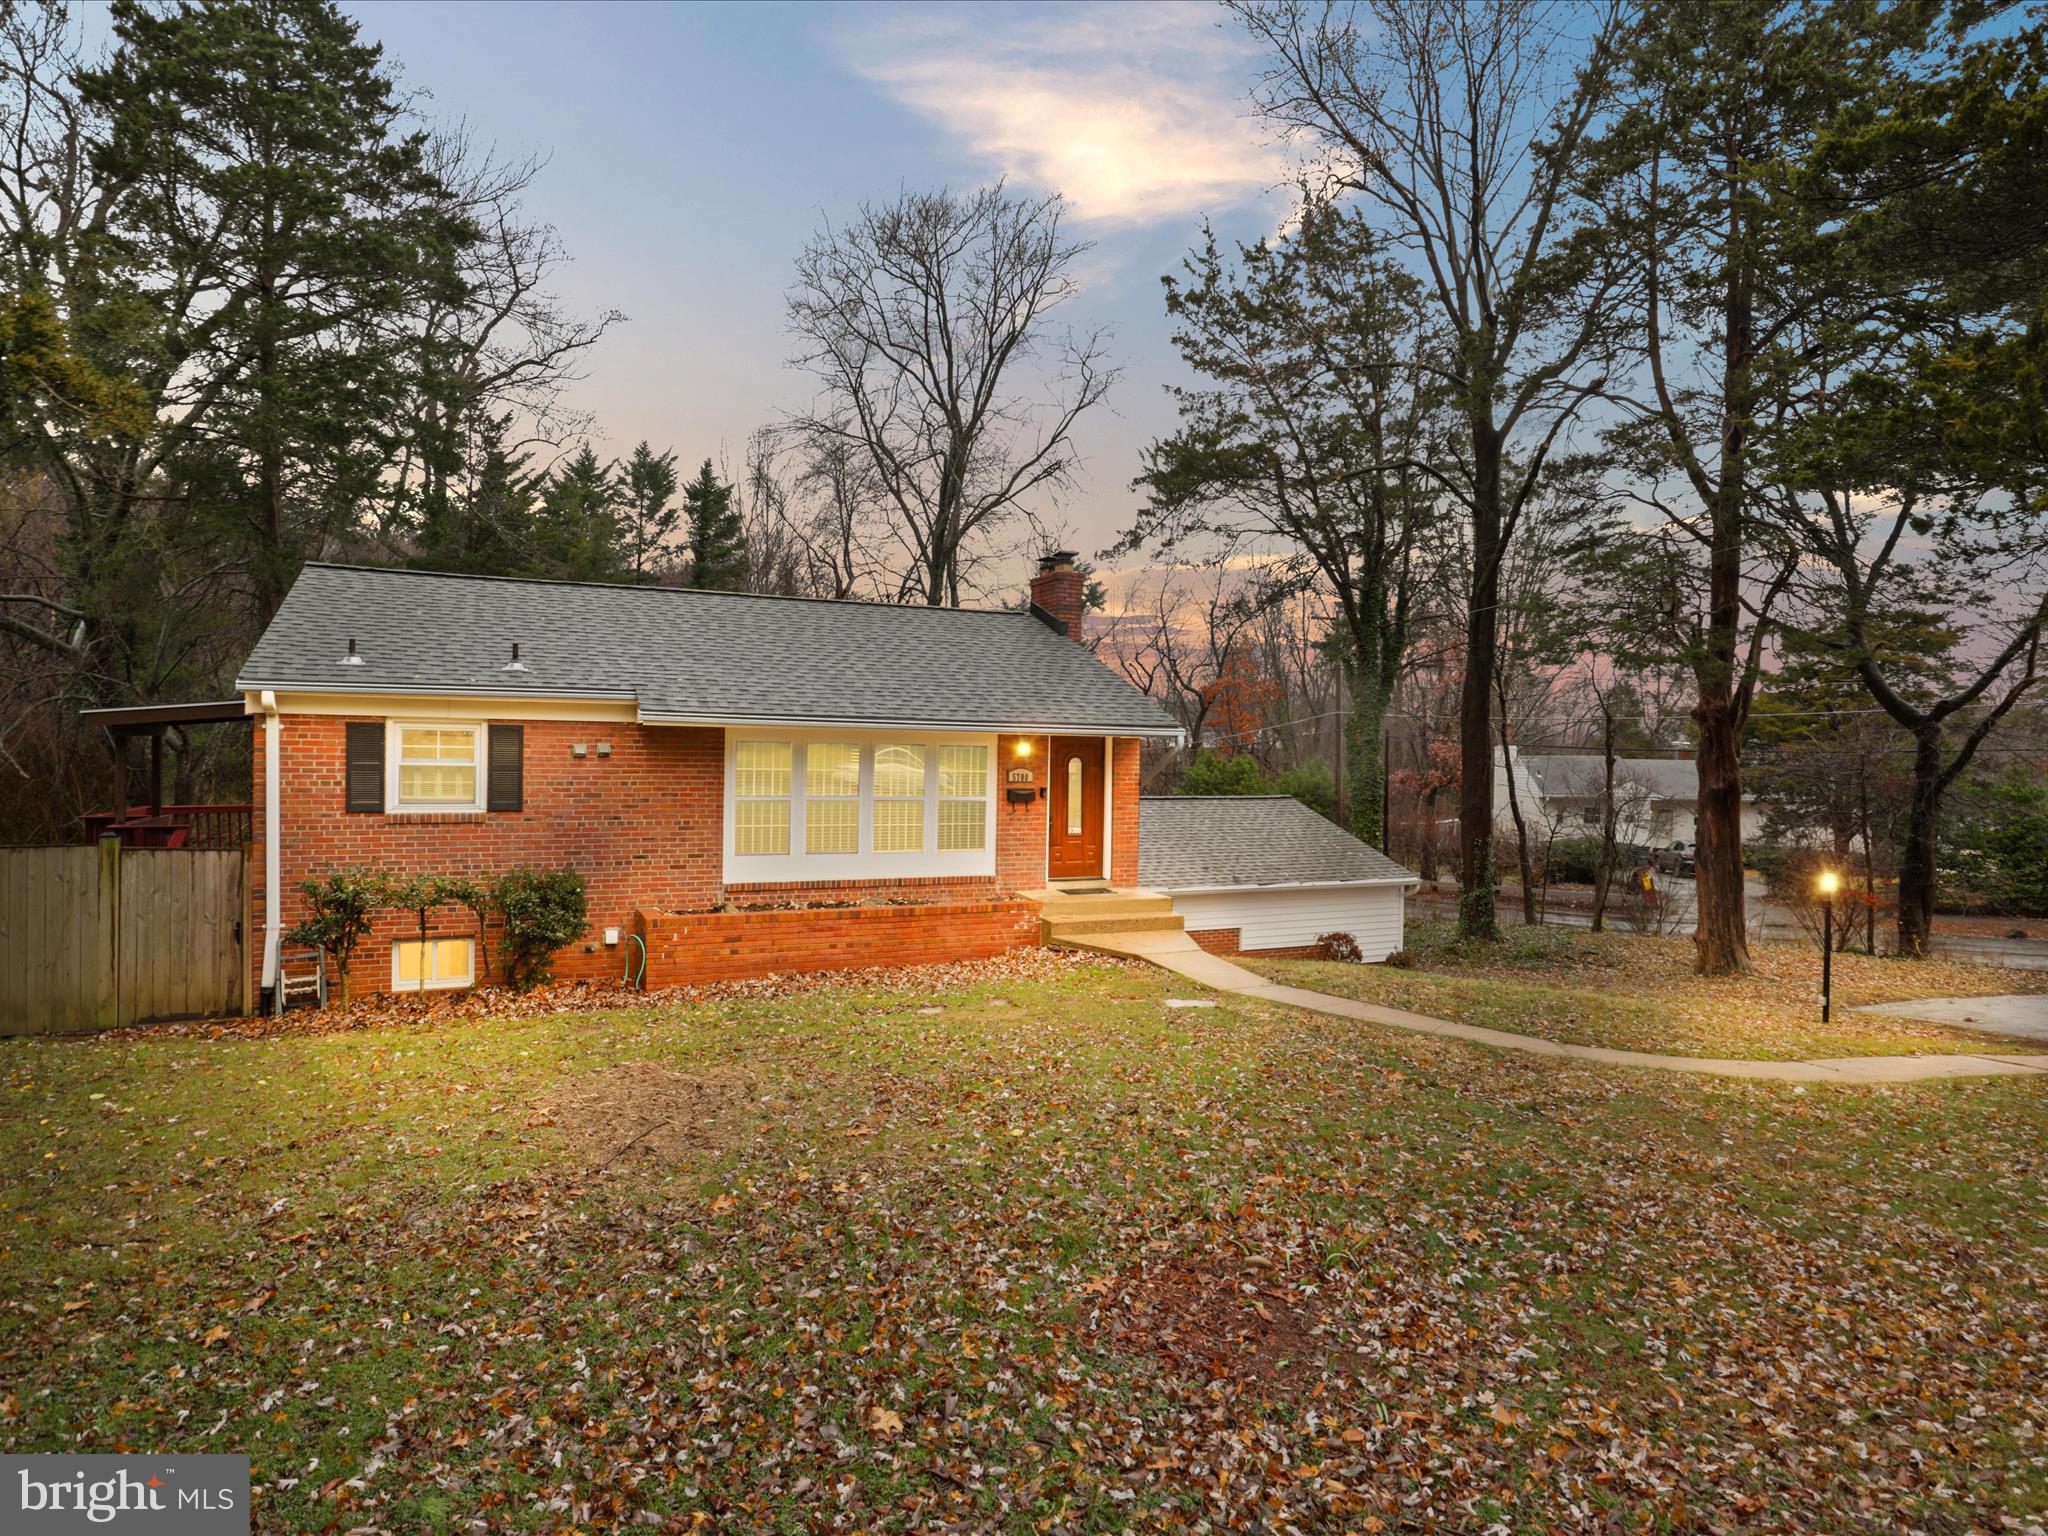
436 767
858 806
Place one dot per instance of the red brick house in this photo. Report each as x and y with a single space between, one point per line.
747 784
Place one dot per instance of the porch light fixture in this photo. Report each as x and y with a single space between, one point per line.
1023 747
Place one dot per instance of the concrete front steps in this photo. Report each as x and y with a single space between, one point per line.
1075 916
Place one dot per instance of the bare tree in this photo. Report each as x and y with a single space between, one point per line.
812 507
928 324
1464 123
503 348
1177 641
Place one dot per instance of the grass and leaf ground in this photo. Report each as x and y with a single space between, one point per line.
1020 1247
1638 993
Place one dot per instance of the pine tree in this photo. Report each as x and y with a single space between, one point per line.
718 540
577 530
649 516
484 523
276 218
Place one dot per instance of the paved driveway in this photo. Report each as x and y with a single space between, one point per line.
2026 1016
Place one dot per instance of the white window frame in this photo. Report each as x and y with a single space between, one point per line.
393 736
865 863
435 983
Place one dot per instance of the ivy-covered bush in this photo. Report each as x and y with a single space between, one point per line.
344 903
543 909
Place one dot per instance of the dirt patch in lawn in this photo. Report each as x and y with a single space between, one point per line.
644 1113
1221 1317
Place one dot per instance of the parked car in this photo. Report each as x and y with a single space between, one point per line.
1675 859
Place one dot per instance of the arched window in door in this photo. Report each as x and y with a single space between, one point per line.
1074 796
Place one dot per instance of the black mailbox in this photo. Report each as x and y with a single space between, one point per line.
1021 796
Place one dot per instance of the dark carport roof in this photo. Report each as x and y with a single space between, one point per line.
686 655
1227 842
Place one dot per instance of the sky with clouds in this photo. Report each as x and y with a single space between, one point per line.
694 148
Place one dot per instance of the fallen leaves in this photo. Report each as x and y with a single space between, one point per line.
1095 1264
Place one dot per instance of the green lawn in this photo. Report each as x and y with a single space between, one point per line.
1018 1247
1638 993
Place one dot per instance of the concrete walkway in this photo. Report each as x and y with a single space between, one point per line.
1180 954
2021 1014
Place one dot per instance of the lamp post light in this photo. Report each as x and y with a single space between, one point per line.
1827 884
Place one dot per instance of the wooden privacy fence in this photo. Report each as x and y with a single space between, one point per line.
96 937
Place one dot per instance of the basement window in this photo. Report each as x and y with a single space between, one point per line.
436 964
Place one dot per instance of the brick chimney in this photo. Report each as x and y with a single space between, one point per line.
1059 592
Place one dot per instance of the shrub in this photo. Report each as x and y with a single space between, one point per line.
1574 860
1339 946
543 909
344 903
1211 773
1400 960
1996 845
475 895
1310 783
1769 861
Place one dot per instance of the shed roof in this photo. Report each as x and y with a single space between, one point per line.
1228 842
689 656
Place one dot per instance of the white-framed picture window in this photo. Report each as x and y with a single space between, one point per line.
432 965
858 805
434 765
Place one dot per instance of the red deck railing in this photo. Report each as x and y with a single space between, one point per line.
175 826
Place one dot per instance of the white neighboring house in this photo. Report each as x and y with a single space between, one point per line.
1656 798
1252 873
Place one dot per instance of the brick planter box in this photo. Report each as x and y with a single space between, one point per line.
687 948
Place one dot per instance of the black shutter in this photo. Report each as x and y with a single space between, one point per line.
364 773
508 768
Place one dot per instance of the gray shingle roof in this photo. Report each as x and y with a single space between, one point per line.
1570 776
1205 842
686 655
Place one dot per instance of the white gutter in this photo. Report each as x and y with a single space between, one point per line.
273 902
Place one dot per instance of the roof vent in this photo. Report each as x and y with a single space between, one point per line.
351 659
515 664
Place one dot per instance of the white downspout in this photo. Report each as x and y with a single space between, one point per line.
272 897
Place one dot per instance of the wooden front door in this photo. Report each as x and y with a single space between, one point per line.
1074 845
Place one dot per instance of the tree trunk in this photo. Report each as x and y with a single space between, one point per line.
1527 870
1869 861
1603 866
1365 766
1721 940
1427 859
1476 878
1916 858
